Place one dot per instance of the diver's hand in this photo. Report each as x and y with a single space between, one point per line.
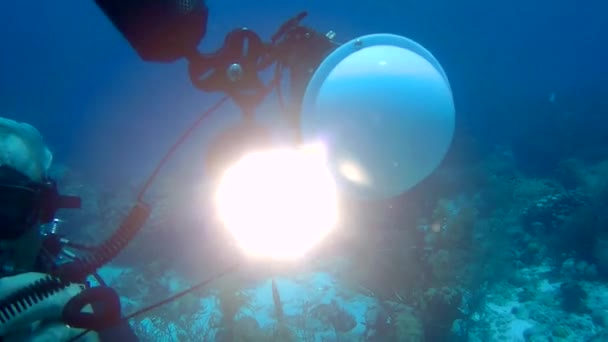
38 320
51 332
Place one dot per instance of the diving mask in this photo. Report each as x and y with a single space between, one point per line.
24 203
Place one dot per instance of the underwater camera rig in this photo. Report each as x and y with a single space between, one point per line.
407 85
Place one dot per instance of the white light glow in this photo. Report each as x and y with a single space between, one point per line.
279 204
354 173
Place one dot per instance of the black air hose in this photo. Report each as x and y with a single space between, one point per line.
79 269
38 301
13 305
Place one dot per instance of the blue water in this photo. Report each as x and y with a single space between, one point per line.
69 72
528 77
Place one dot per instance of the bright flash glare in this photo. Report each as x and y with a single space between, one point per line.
354 173
278 204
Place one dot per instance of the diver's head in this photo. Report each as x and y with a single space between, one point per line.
26 193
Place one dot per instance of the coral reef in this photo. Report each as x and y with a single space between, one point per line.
508 257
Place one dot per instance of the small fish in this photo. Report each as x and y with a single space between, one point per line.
552 97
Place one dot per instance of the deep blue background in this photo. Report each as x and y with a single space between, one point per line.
66 70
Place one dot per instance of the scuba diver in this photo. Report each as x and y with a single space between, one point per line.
29 250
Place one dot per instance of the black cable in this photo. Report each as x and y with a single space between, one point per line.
167 300
177 144
99 279
79 269
100 255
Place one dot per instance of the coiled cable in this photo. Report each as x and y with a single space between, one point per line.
79 269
